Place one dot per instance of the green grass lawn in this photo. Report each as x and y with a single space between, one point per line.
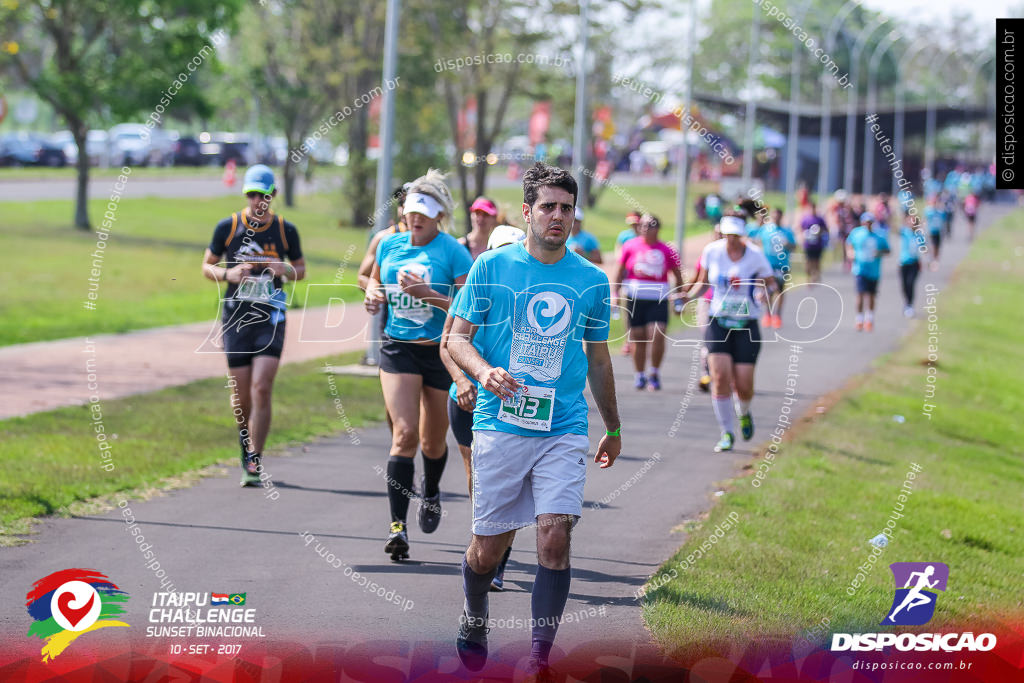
32 173
151 265
799 539
51 460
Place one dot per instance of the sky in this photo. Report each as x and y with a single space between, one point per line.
985 10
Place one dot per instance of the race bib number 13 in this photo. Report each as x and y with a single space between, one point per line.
530 408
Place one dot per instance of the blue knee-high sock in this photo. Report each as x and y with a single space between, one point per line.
550 591
476 587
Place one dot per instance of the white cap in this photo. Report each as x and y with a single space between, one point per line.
731 225
504 234
579 214
422 203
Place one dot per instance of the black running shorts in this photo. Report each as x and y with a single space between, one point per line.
742 343
244 342
461 422
407 358
645 311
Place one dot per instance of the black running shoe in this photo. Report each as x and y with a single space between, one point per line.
397 545
429 515
471 642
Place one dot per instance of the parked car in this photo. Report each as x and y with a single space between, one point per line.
276 151
130 145
162 144
95 146
186 152
25 149
234 147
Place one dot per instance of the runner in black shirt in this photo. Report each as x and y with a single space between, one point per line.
252 245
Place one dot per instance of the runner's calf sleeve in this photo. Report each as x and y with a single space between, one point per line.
476 587
550 591
400 475
433 469
724 412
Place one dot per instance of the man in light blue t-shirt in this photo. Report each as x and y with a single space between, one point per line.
866 246
531 327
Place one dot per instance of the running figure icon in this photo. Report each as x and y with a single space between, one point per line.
915 597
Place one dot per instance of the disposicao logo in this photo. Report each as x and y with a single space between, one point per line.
70 603
913 605
916 583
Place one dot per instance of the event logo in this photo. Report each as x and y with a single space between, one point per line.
70 603
916 583
548 313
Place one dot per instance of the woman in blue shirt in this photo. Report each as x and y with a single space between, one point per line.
912 245
416 275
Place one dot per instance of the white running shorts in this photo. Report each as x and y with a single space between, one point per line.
516 478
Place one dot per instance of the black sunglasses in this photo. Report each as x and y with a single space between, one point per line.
257 193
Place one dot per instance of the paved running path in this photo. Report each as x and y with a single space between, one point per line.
55 373
217 537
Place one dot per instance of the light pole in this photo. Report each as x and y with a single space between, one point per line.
900 113
827 83
384 168
748 132
929 120
868 176
851 103
684 161
793 136
579 132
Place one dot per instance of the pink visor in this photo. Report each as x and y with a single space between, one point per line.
485 205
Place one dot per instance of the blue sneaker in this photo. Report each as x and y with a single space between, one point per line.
641 383
471 642
654 382
747 427
725 443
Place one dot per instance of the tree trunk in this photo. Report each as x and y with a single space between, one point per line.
289 177
453 121
80 133
359 187
483 144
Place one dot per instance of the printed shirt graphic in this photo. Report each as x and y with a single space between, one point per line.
815 232
532 319
438 262
868 246
647 268
916 584
910 243
734 282
239 241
